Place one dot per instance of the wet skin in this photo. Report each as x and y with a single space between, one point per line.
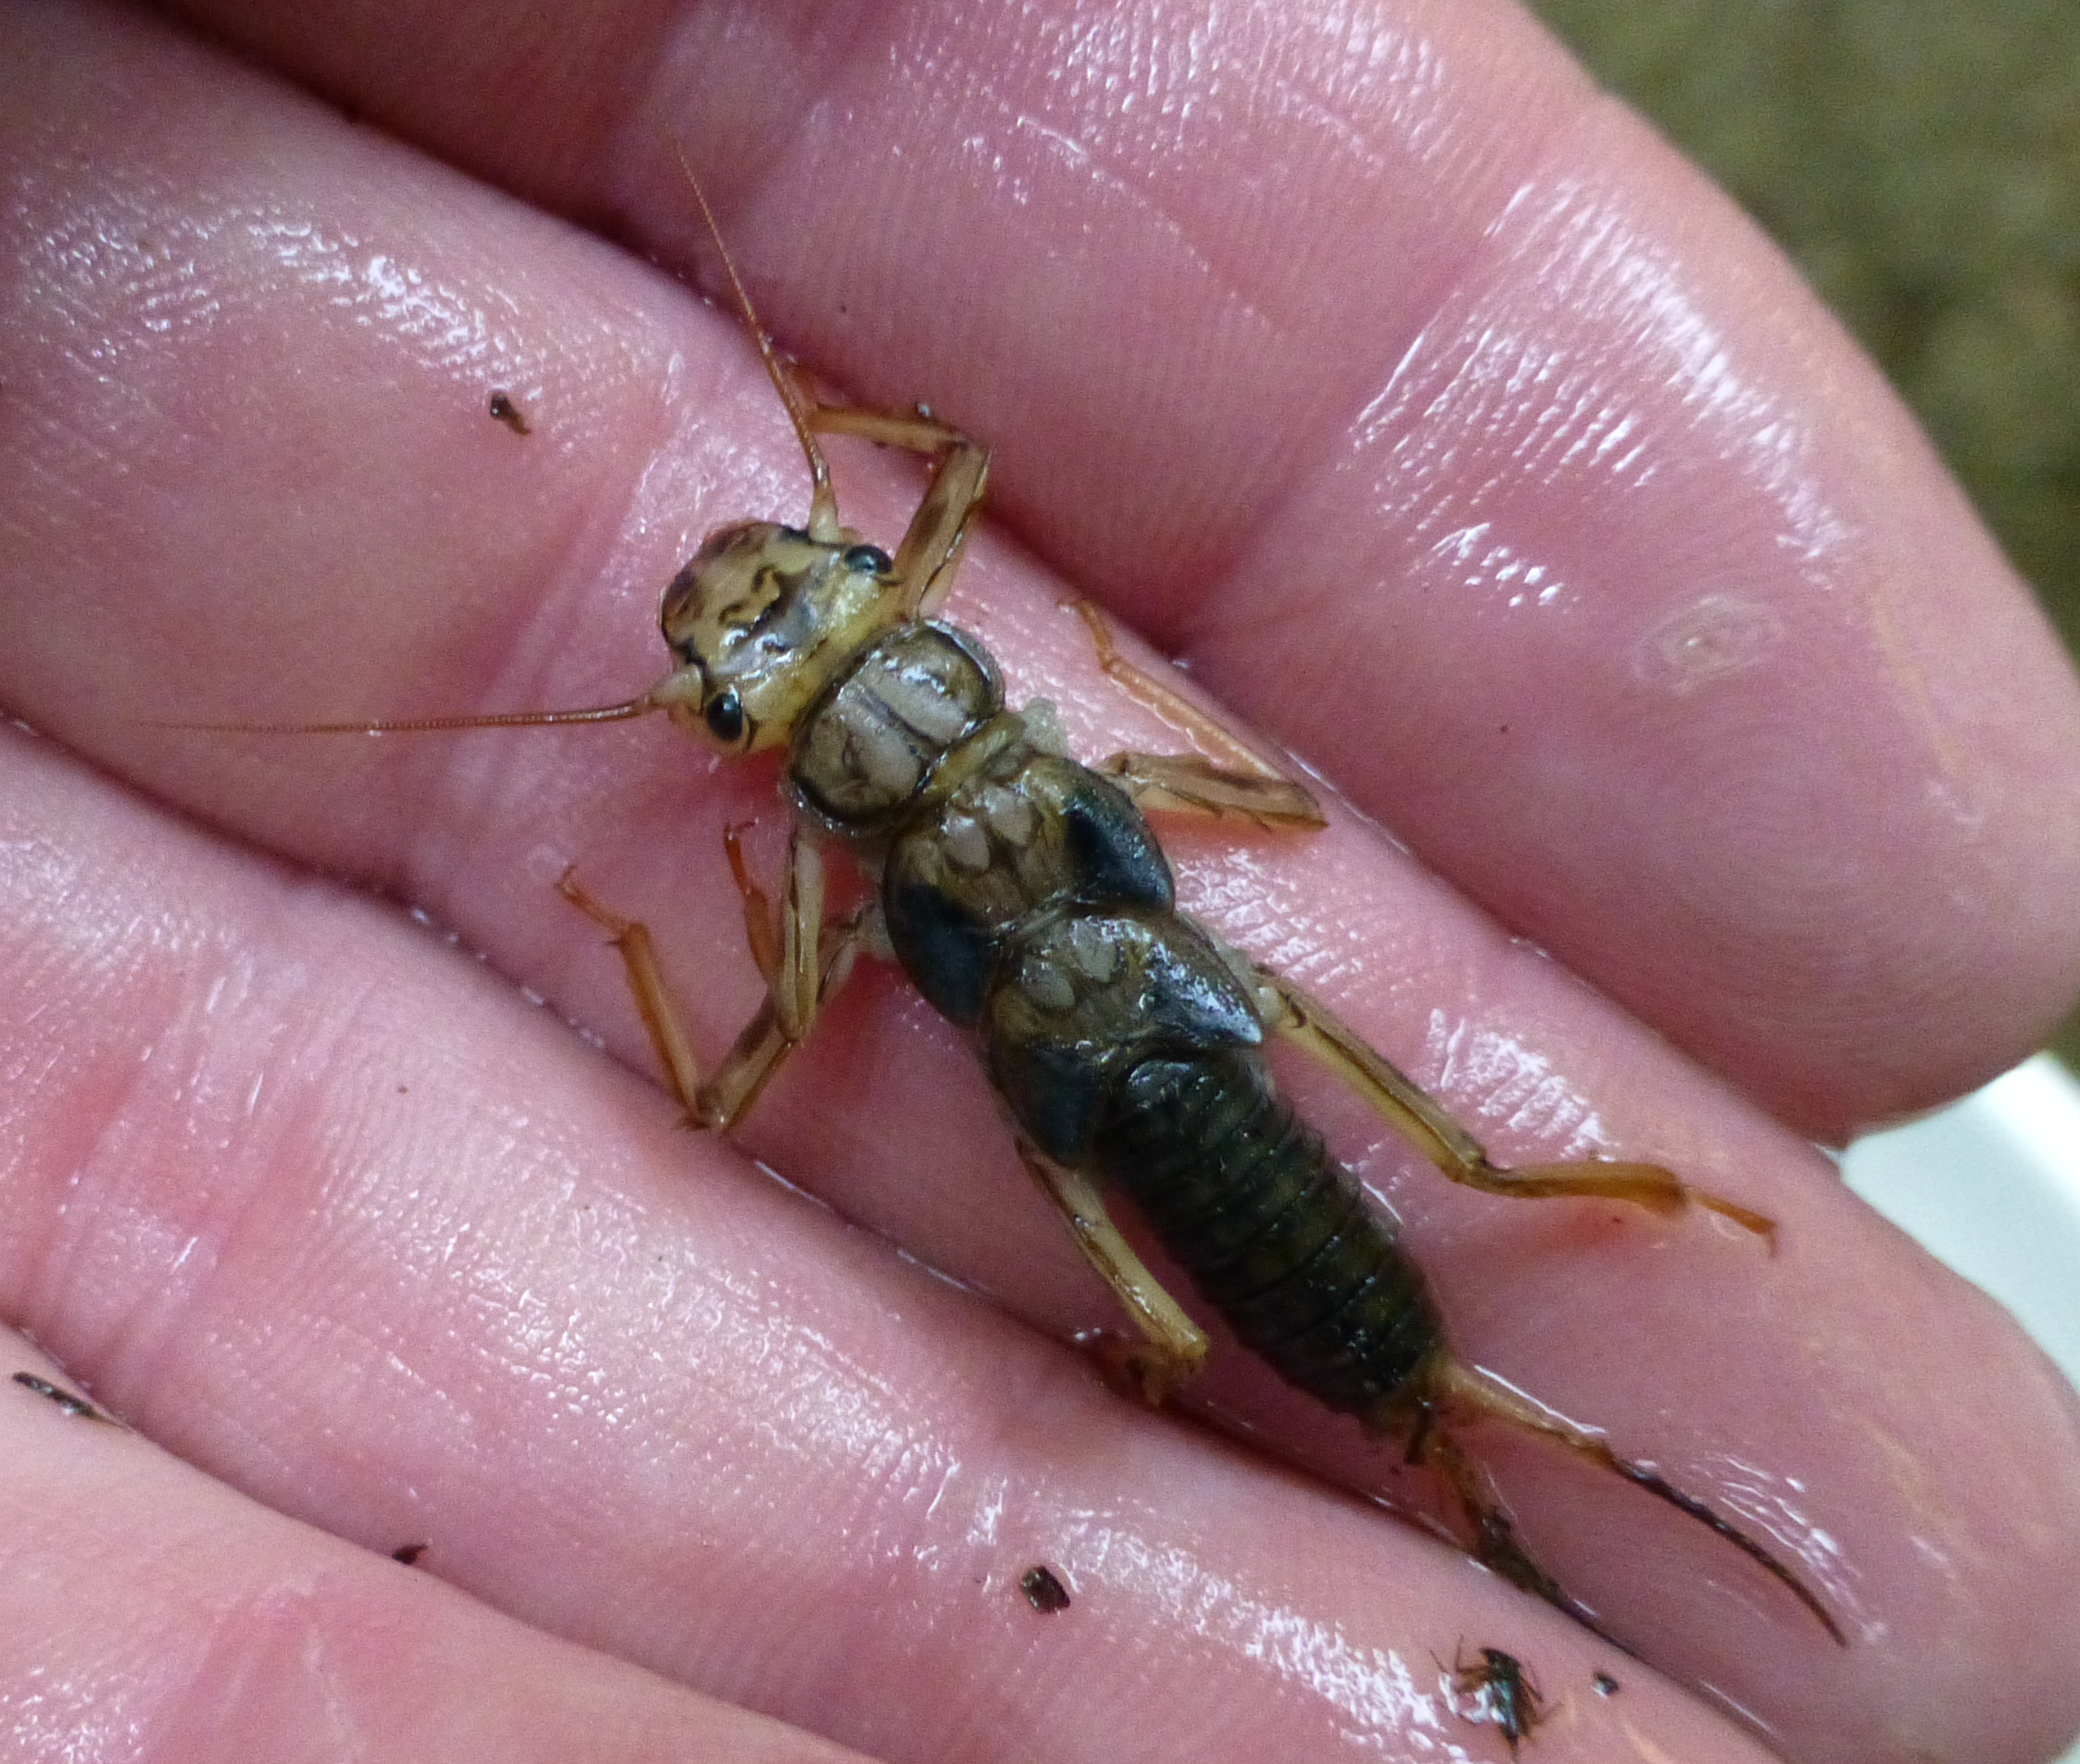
1559 534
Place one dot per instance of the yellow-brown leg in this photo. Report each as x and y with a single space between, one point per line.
1172 1347
930 550
1228 777
804 963
924 563
1456 1152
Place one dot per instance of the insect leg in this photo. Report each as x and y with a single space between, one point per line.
924 562
1456 1152
931 547
1188 784
1193 783
1174 1348
803 962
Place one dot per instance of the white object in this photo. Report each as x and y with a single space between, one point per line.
1991 1187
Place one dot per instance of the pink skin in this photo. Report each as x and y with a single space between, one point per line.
1368 359
333 1214
181 1620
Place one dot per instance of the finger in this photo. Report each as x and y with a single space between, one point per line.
1442 419
174 1619
884 1117
357 1231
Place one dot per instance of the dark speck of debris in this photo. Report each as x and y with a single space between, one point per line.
1043 1591
1605 1685
408 1554
505 411
70 1401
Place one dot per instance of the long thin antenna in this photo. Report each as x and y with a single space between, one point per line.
823 501
416 726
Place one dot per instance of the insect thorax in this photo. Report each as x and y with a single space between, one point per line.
1022 838
871 751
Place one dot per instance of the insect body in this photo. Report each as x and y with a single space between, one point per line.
503 409
1508 1695
1026 896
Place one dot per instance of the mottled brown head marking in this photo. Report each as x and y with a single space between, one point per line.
758 620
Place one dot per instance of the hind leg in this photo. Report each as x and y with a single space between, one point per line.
1454 1151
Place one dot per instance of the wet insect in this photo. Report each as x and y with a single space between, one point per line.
1508 1696
1025 896
1043 1590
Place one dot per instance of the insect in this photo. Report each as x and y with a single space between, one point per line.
1043 1590
1510 1697
1026 896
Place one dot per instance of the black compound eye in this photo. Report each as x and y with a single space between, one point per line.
869 559
726 716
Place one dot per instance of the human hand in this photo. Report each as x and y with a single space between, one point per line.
1447 427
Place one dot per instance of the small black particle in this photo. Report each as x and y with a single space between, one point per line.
504 410
408 1554
70 1401
1605 1685
1043 1591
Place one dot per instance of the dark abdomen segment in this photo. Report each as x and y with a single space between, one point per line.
1275 1233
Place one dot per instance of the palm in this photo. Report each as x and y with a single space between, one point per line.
1709 687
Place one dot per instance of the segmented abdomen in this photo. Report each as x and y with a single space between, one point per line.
1275 1234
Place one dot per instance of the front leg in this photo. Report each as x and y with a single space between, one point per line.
803 968
930 550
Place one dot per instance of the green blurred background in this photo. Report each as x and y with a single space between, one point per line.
1920 160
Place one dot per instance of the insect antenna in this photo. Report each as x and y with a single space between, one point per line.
416 725
823 525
